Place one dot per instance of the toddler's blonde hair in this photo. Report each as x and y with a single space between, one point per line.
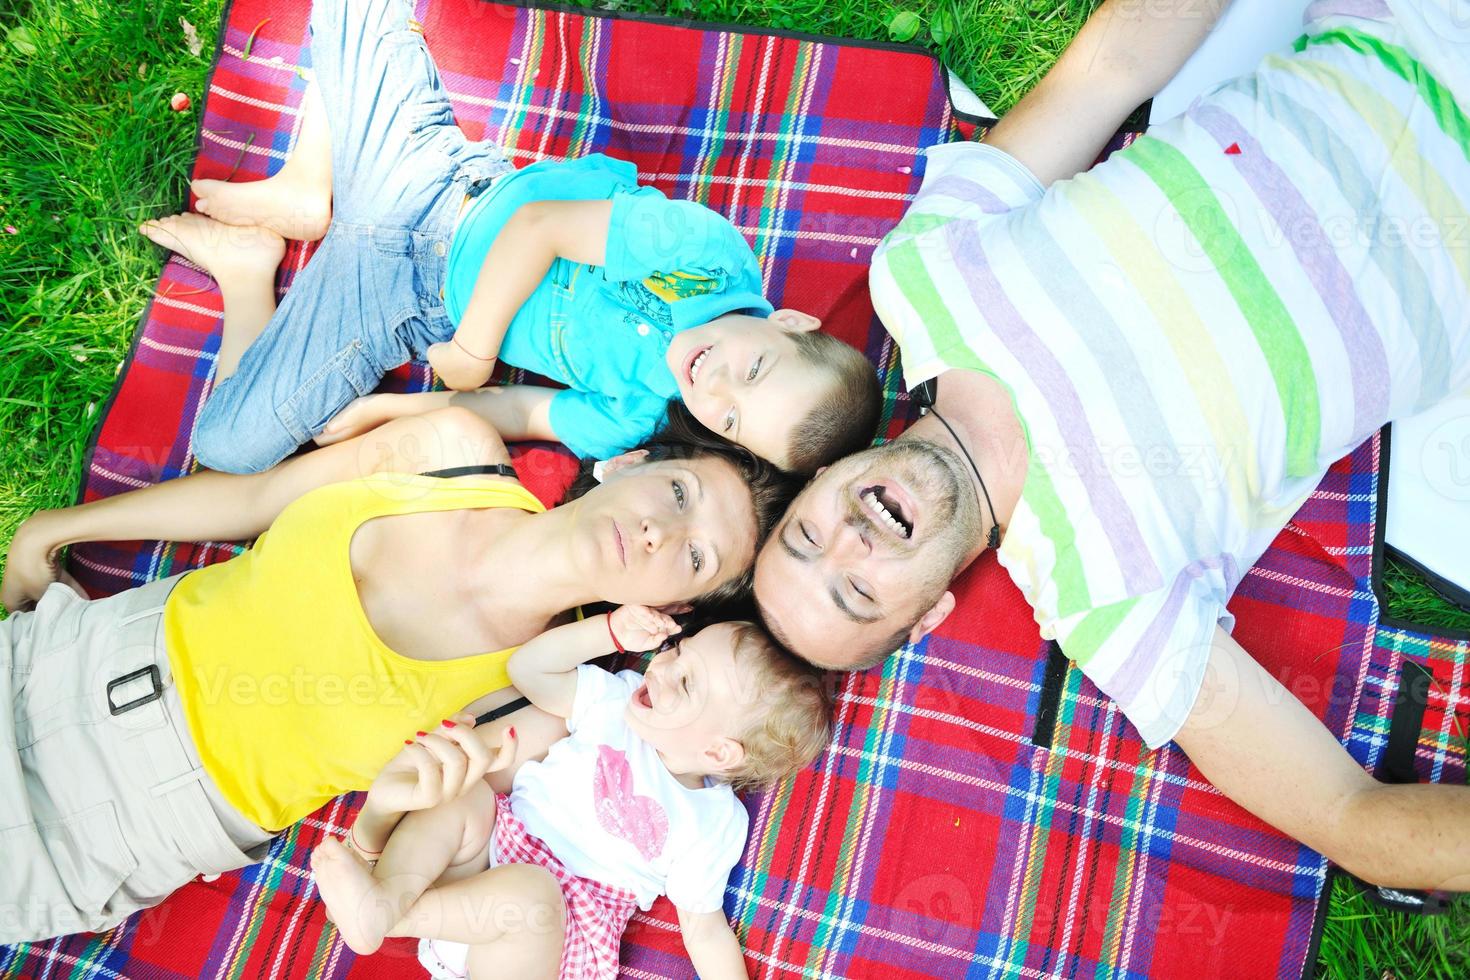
789 711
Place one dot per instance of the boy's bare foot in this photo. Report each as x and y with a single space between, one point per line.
361 915
287 203
231 254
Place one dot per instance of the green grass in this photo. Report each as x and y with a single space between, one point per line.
88 147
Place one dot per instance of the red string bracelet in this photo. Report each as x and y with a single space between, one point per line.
614 635
455 338
370 855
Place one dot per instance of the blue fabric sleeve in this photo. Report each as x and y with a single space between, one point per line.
648 234
597 426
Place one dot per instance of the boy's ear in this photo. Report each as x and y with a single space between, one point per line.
795 321
608 467
724 754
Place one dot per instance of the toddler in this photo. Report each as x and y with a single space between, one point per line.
638 801
434 247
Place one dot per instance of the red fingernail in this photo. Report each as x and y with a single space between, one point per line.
448 724
511 732
408 741
421 734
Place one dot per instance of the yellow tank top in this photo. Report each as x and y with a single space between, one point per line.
290 695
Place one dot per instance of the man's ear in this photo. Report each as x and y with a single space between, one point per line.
724 754
621 461
795 321
930 621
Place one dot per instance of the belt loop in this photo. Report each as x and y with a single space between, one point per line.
150 672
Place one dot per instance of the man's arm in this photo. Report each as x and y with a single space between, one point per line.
535 236
1125 53
209 506
1268 752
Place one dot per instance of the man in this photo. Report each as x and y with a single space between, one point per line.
1143 372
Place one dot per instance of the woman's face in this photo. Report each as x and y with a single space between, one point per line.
667 531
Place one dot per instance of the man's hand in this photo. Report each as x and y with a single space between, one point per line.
457 368
437 767
639 628
34 562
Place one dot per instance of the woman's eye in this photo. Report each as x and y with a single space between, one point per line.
696 558
755 369
809 539
679 494
730 420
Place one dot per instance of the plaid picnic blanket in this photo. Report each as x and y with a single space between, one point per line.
983 811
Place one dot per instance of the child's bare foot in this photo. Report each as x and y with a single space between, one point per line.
232 255
288 204
361 915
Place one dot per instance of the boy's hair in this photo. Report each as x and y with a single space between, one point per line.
683 438
789 717
846 419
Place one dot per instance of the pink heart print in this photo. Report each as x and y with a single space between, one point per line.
639 820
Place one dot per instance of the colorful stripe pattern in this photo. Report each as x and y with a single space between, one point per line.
1194 330
934 839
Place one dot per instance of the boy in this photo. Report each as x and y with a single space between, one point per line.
436 249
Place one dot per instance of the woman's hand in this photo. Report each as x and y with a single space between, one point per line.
371 411
438 766
639 628
457 368
34 562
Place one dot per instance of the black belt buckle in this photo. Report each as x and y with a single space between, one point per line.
151 672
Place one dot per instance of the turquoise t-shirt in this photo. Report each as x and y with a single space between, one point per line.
604 330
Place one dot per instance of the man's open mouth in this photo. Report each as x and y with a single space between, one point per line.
882 503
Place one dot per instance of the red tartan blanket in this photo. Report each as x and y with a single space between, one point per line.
983 811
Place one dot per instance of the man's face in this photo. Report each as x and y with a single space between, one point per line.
866 551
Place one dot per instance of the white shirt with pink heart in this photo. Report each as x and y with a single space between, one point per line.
610 810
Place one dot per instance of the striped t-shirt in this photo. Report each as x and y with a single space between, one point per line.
1195 329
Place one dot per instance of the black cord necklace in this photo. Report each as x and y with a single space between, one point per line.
926 395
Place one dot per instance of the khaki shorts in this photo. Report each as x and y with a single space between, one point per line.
104 807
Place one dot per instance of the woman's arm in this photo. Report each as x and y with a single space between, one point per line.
545 669
515 411
209 506
535 236
713 947
1124 54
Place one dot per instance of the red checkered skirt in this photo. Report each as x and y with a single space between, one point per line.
597 913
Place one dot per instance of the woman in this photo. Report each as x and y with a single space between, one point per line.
170 730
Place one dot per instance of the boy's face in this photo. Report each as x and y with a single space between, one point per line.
691 698
742 377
